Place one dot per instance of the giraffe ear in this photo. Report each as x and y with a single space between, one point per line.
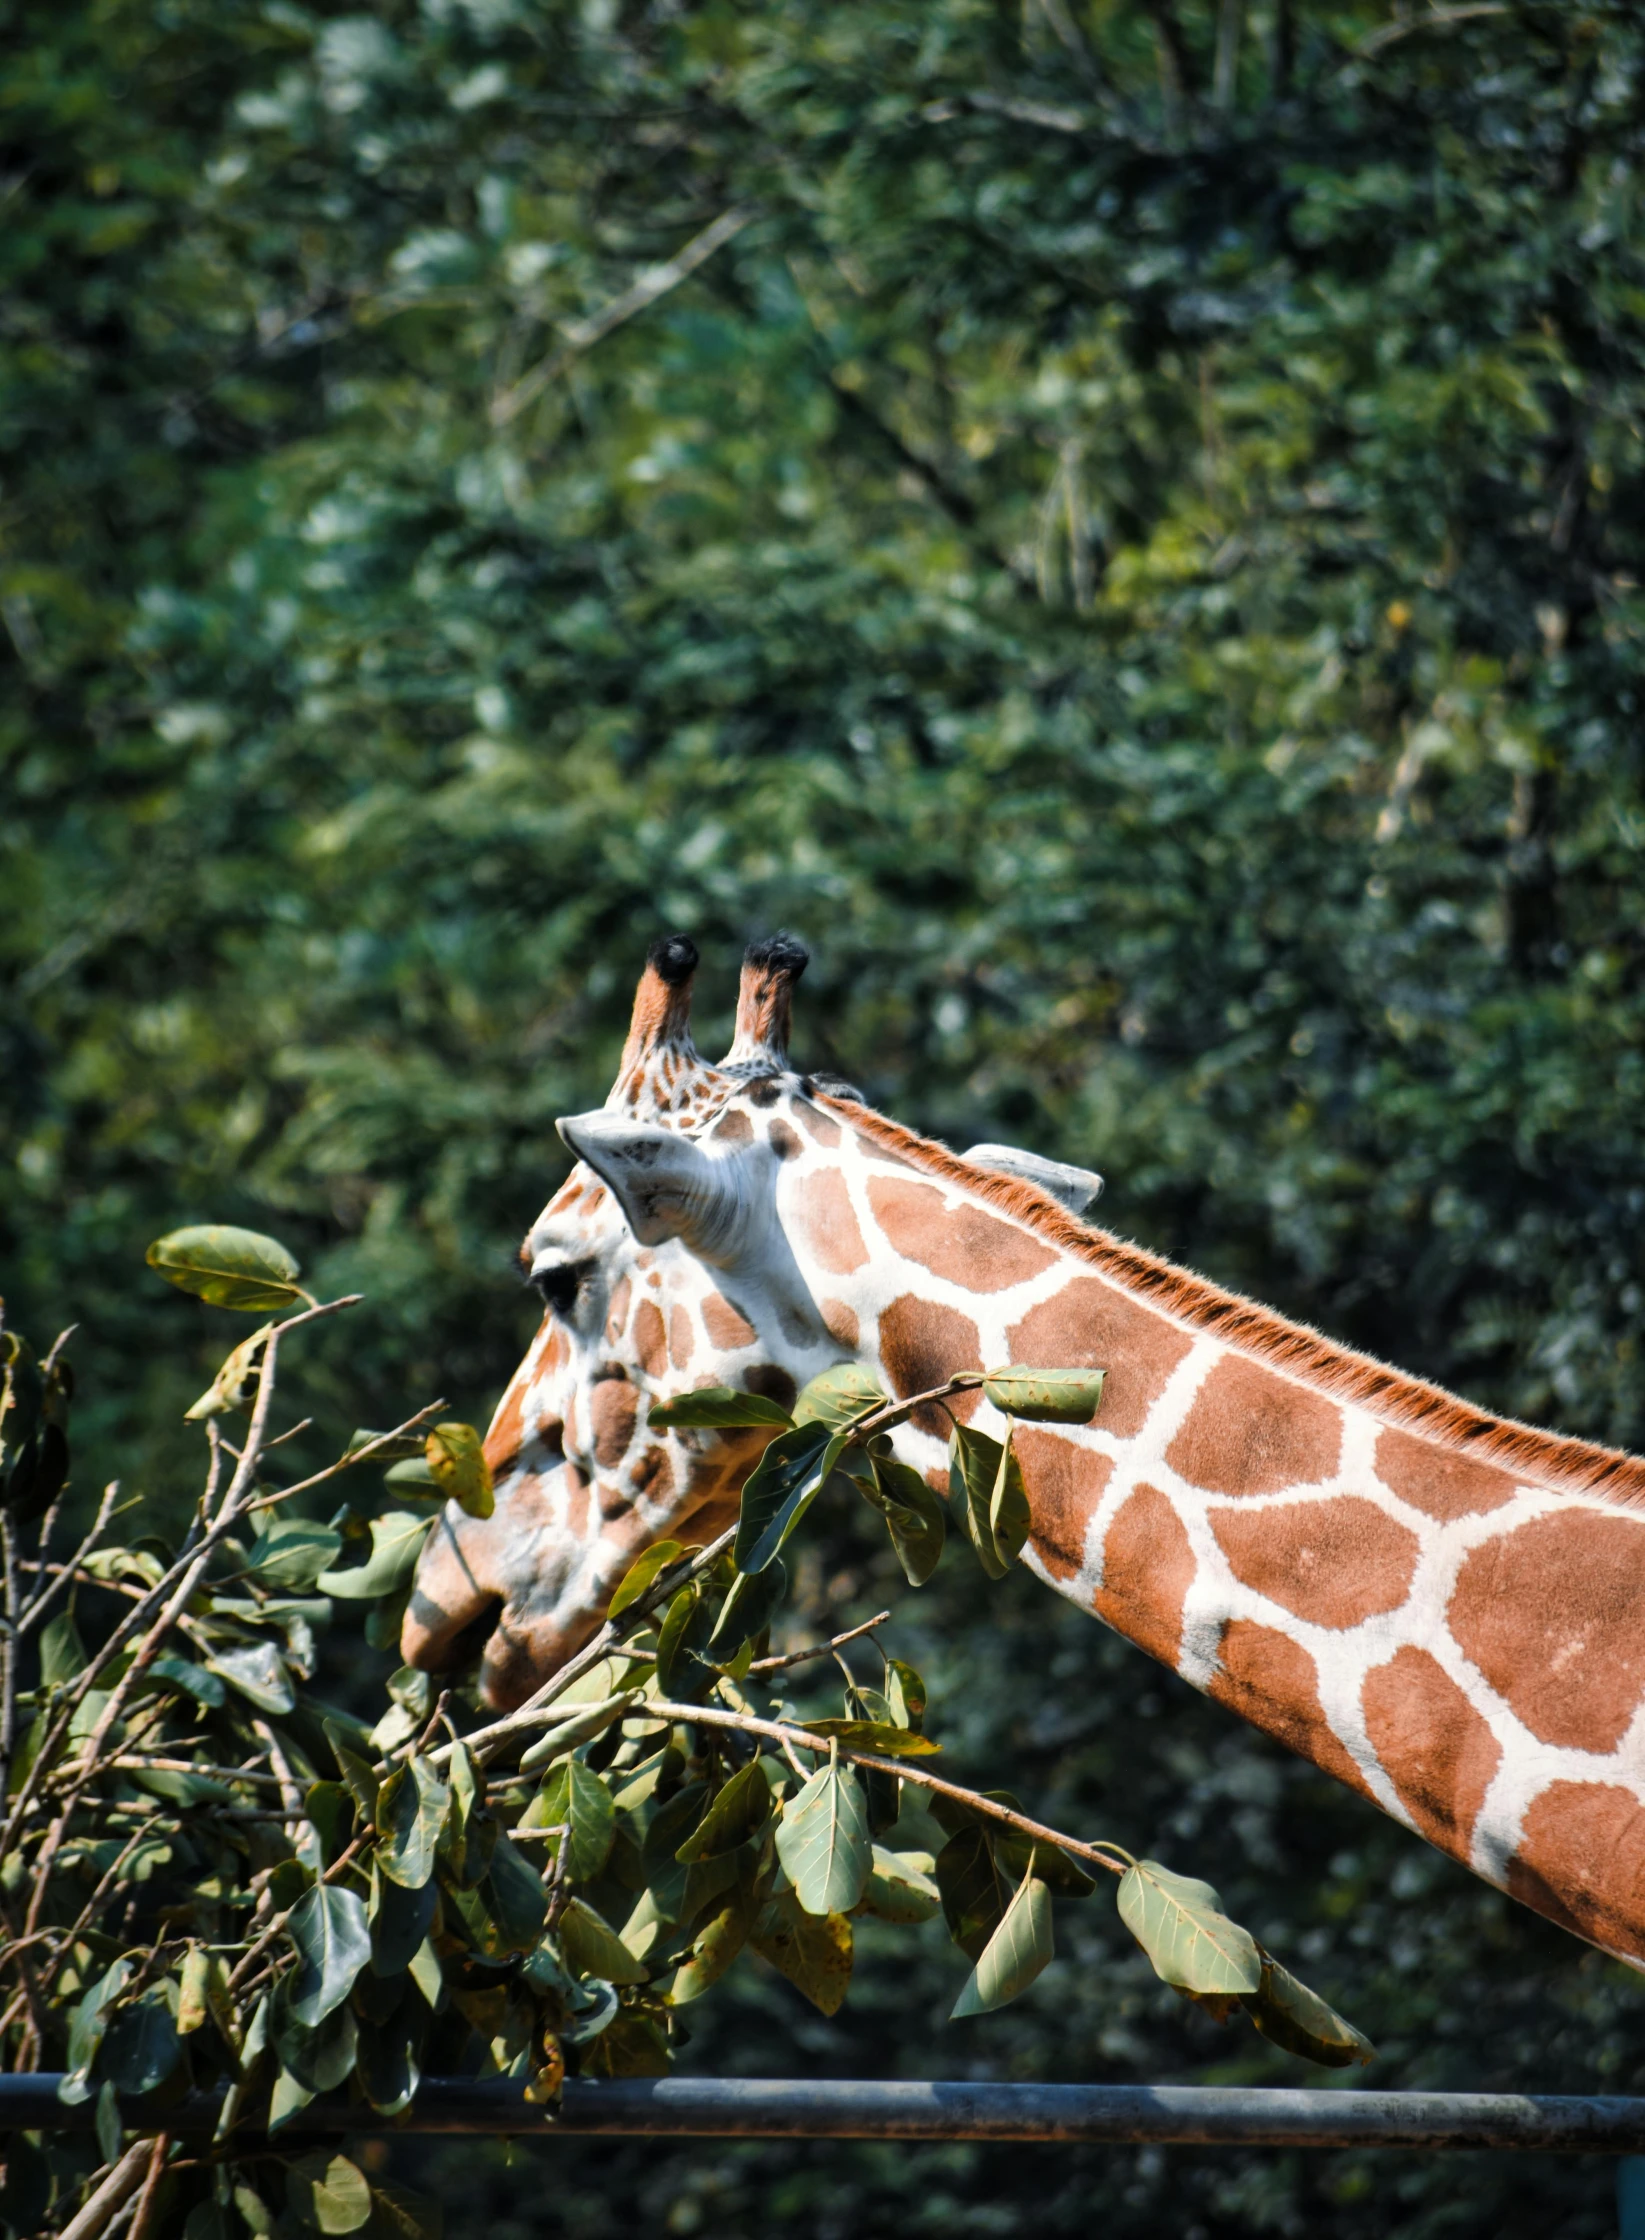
665 1185
1077 1188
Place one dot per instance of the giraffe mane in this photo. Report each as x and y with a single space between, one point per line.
1548 1458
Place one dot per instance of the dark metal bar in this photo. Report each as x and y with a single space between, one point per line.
830 2108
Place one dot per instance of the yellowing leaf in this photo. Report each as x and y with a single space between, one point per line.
229 1268
454 1453
234 1385
814 1951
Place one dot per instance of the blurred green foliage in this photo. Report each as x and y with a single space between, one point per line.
1133 548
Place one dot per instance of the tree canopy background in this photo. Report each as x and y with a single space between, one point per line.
1124 526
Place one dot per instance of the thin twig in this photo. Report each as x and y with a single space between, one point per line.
645 292
822 1649
709 1715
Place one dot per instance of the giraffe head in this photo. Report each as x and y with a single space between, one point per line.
706 1236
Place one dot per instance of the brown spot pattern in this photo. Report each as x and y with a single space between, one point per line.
612 1407
1581 1861
1091 1325
962 1244
733 1127
1438 1480
776 1384
1065 1483
682 1339
616 1321
828 1223
1334 1562
614 1499
921 1344
725 1325
1147 1569
817 1125
1432 1744
1550 1614
653 1474
1272 1681
784 1142
840 1321
650 1340
1252 1432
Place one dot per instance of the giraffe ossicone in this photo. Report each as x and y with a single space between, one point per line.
1441 1608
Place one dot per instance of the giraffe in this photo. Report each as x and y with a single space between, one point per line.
1439 1607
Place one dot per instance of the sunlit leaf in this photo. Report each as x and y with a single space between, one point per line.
840 1395
717 1408
326 2193
823 1841
396 1543
1045 1395
229 1268
740 1811
902 1887
574 1796
719 1937
582 1726
259 1674
292 1553
641 1574
411 1810
1014 1955
1180 1924
873 1737
235 1384
456 1456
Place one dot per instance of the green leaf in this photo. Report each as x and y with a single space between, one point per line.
91 2020
641 1573
683 1672
513 1896
901 1887
259 1673
740 1811
329 1930
752 1603
399 1920
914 1516
411 1810
985 1483
385 2062
141 2047
455 1454
1045 1395
326 2193
111 2133
1014 1955
194 1679
397 1446
229 1268
62 1652
574 1796
292 1553
593 1948
840 1395
814 1951
357 1773
782 1486
905 1692
975 1889
583 1725
1180 1924
396 1542
873 1735
1299 2020
717 1408
823 1841
719 1937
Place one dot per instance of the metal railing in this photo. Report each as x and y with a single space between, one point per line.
831 2108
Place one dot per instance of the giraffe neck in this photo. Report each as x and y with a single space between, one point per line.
1438 1608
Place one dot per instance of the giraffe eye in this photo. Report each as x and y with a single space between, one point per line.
561 1285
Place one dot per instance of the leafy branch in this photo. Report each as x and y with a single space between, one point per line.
210 1876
